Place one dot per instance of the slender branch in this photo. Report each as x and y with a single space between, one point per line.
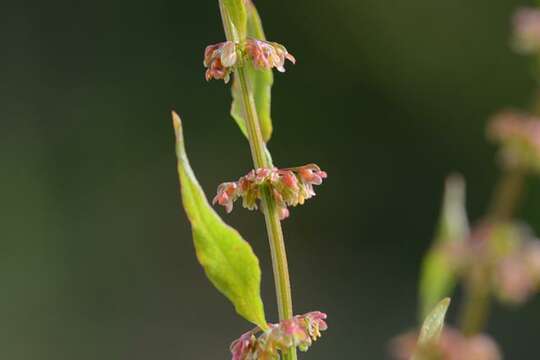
268 205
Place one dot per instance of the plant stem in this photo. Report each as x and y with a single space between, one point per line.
269 209
474 313
268 205
475 310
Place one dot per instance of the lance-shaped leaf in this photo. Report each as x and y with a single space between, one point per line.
438 276
227 259
431 331
235 12
259 80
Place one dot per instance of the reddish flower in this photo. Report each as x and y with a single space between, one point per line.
219 59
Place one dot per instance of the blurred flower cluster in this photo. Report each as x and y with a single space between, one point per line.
526 23
221 58
507 252
299 332
289 187
451 346
519 135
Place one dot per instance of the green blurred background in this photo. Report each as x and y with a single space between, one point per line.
388 96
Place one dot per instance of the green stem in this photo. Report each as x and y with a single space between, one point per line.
475 310
268 204
269 209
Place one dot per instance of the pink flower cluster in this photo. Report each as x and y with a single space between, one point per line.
299 332
519 134
289 187
452 346
510 254
220 59
526 24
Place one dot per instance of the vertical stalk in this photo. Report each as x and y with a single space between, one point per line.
475 309
269 209
268 205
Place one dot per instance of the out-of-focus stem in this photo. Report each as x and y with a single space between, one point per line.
507 195
475 310
474 313
268 205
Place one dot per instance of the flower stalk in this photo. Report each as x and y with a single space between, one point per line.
477 302
268 205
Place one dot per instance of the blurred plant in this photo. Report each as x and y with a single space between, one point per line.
228 260
500 257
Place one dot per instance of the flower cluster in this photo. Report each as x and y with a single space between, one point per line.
508 252
520 136
289 187
451 346
299 332
220 59
526 24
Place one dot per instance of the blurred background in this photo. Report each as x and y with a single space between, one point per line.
388 97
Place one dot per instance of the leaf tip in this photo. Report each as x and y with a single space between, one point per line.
177 123
445 303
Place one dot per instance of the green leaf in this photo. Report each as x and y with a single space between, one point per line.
438 275
431 330
227 259
259 81
237 17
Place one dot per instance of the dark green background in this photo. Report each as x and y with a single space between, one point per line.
388 96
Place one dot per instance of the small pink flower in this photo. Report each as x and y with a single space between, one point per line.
242 347
289 179
311 174
267 55
316 323
219 59
226 195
